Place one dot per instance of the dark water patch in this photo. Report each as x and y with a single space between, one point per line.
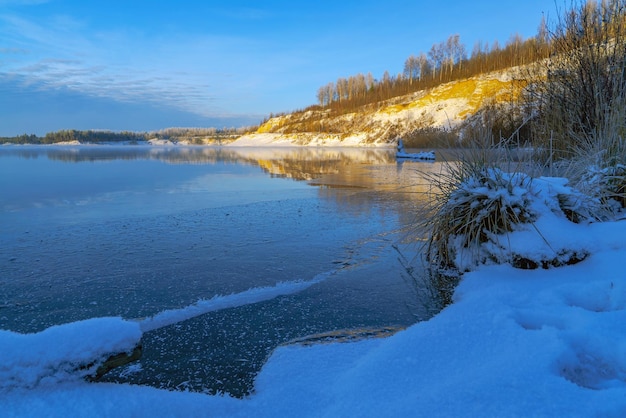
222 352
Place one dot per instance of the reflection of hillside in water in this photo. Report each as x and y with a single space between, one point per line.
358 179
397 178
309 164
298 163
393 189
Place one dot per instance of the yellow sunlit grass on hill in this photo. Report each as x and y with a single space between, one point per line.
476 91
271 125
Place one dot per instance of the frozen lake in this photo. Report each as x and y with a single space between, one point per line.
133 231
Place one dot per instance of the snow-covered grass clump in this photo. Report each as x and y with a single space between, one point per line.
479 207
468 226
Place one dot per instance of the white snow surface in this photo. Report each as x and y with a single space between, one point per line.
62 353
303 139
544 342
266 139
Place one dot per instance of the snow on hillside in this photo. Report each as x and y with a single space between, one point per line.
444 107
308 139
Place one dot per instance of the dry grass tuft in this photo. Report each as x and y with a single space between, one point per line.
477 204
598 167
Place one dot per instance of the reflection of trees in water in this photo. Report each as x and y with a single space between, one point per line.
91 153
178 155
25 153
299 163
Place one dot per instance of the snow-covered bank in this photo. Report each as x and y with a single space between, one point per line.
61 353
515 343
544 342
305 139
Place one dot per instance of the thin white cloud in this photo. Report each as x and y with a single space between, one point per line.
64 57
22 2
11 51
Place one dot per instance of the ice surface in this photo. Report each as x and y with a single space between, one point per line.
543 342
254 295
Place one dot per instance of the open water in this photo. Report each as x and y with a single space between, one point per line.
133 231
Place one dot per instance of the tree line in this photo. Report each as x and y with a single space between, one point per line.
72 135
445 61
194 135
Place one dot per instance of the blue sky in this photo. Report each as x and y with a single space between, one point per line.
146 65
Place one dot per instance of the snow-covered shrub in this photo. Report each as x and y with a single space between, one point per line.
484 215
478 211
477 205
